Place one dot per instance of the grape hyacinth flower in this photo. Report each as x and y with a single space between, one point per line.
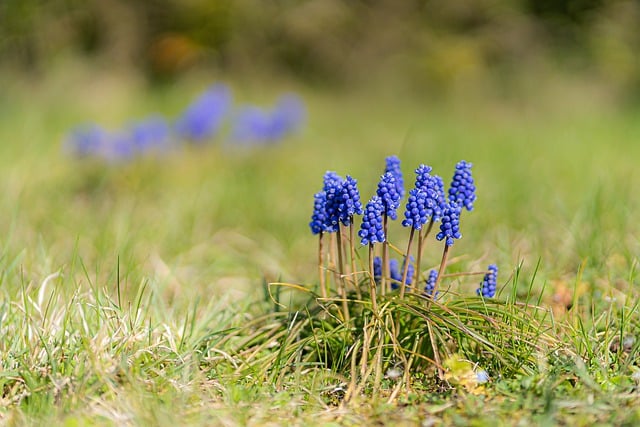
450 225
349 201
377 269
251 125
371 230
425 200
393 167
488 285
396 273
388 193
254 125
463 189
89 140
203 118
151 133
332 189
430 283
318 218
287 116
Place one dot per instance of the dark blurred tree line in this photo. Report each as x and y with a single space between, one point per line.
431 42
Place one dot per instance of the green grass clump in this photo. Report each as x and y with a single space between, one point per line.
132 294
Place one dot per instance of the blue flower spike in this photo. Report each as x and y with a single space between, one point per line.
388 194
395 271
371 230
393 167
463 189
430 283
203 118
319 216
349 201
425 200
450 225
489 282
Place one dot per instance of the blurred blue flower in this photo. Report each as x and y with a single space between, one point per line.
393 167
371 230
254 125
88 140
388 193
463 189
396 271
430 283
287 116
203 117
150 134
377 269
489 282
450 225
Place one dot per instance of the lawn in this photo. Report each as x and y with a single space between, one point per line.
133 293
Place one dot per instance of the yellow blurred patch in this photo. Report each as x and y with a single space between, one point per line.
459 373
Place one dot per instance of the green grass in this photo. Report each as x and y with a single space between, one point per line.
133 294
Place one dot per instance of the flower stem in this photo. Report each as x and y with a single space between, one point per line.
407 260
356 282
443 262
385 256
341 284
372 283
323 284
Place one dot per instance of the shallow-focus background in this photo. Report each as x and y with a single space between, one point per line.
541 96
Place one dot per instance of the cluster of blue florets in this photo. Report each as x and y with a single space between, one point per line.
339 202
430 283
395 271
200 123
489 282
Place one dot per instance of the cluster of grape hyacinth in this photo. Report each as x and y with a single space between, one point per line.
427 203
199 124
489 282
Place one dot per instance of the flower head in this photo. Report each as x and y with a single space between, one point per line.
450 225
202 118
396 272
318 218
393 167
377 269
287 116
151 133
488 285
430 283
463 189
371 230
349 201
88 140
388 193
333 199
425 200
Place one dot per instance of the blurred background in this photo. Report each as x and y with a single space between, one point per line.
437 46
541 95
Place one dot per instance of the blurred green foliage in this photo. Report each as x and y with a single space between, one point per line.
429 43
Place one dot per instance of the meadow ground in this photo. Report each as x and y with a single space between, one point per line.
127 289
